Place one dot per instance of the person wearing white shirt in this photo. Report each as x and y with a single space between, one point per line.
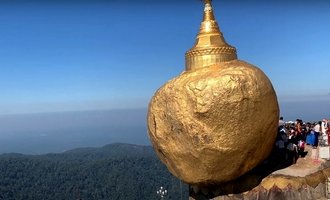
324 127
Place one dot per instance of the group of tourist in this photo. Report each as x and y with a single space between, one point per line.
293 136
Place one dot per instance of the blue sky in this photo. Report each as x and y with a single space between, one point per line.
91 55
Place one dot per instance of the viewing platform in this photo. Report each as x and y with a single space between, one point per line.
306 179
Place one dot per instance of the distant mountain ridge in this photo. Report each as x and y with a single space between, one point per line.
114 171
42 133
115 150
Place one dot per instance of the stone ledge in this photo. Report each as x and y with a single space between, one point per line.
307 179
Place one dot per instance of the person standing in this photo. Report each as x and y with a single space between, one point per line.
317 129
324 129
281 122
328 130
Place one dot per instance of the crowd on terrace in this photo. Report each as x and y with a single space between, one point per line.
292 138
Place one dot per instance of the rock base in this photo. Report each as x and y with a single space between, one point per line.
307 179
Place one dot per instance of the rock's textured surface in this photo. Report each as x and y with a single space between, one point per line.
219 118
213 124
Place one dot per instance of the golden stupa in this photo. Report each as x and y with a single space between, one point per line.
218 119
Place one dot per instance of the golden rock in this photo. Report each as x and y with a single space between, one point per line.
218 119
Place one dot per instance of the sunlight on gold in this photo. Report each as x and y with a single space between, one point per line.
218 119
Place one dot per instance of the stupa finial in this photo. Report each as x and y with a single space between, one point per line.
210 47
208 11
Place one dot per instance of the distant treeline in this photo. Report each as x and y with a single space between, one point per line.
117 171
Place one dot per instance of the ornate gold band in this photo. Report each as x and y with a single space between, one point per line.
209 51
199 58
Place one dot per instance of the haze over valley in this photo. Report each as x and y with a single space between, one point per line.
60 131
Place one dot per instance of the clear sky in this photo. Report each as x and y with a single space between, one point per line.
91 55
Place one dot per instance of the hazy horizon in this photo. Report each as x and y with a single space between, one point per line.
55 132
40 133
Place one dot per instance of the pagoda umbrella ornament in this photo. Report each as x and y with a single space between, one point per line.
218 119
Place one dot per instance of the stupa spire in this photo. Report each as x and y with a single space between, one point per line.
209 23
210 47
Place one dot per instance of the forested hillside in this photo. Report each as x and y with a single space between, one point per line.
116 171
